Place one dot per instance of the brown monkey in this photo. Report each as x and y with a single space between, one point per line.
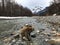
25 32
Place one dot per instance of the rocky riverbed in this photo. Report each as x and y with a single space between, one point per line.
43 27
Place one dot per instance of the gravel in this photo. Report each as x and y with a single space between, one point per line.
42 24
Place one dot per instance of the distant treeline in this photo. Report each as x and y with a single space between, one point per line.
8 8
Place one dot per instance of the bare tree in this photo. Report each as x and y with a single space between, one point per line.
3 4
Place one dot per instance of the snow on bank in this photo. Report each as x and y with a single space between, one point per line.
11 17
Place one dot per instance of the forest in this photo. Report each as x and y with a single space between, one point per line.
11 8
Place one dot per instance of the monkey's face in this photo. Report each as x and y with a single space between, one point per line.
27 29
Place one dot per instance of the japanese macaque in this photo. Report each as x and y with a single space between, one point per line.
25 32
